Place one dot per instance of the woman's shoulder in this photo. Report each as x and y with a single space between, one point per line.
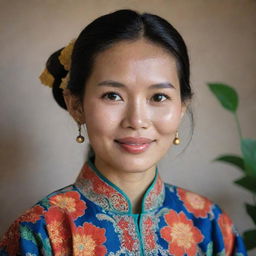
54 206
194 204
201 214
64 198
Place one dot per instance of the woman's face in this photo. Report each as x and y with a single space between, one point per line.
132 93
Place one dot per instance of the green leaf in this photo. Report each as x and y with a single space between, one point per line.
251 210
232 159
247 182
226 95
249 239
248 148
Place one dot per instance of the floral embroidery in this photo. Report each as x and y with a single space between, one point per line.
226 226
10 239
59 230
149 233
103 194
127 228
100 192
32 215
88 241
100 222
181 234
194 203
12 236
155 197
70 202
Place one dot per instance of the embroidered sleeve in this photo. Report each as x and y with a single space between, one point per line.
26 236
226 239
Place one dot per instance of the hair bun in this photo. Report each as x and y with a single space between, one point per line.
53 74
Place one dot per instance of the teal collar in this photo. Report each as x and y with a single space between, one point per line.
98 189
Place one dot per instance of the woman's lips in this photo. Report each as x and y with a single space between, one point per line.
134 140
134 145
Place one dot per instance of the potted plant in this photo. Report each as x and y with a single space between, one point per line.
246 162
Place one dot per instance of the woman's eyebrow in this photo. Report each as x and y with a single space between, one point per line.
120 85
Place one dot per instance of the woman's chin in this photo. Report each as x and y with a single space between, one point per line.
133 164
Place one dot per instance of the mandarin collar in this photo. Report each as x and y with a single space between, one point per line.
98 189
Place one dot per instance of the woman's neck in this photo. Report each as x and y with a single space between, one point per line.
133 184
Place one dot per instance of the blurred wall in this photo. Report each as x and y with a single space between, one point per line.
38 149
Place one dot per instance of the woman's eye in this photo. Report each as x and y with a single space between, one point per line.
160 97
111 96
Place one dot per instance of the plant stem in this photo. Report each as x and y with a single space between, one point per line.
238 126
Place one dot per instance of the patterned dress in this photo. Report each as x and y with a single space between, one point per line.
94 217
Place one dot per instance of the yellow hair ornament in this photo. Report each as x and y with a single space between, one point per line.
65 55
64 82
46 78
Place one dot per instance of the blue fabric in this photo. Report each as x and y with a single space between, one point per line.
94 217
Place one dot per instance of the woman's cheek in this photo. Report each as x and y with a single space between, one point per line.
166 119
102 119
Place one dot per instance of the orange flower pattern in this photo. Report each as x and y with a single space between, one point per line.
94 217
59 230
226 227
194 203
88 240
181 234
70 202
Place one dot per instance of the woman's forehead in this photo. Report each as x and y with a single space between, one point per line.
138 50
135 61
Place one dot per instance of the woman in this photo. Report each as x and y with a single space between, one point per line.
126 78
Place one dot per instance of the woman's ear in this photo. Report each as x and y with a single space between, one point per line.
74 106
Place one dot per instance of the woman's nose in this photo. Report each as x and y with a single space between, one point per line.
136 116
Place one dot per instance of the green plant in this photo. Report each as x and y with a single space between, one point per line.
229 99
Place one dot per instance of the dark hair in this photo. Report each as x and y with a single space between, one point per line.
110 29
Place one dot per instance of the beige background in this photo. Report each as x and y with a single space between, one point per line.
38 149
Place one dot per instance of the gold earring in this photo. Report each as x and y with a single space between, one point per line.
79 138
176 140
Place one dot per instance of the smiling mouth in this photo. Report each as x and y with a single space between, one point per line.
134 148
134 140
136 144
